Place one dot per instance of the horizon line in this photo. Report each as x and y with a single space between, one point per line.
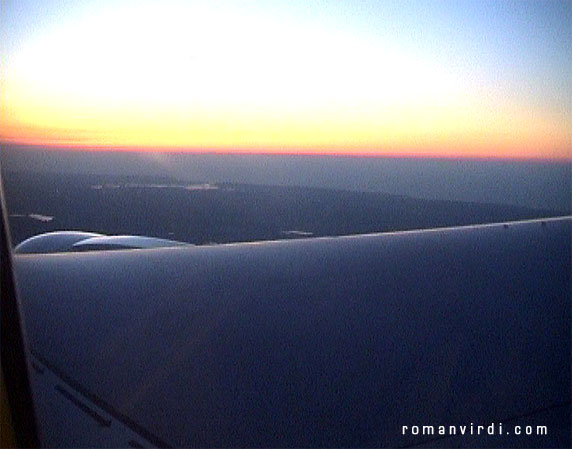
241 151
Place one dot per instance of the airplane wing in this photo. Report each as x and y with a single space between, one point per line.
355 341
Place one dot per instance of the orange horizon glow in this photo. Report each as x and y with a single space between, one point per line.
459 132
311 152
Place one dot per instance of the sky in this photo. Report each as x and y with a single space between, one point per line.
486 79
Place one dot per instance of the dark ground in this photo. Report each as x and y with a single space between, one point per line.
166 208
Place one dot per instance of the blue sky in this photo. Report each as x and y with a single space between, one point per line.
507 64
